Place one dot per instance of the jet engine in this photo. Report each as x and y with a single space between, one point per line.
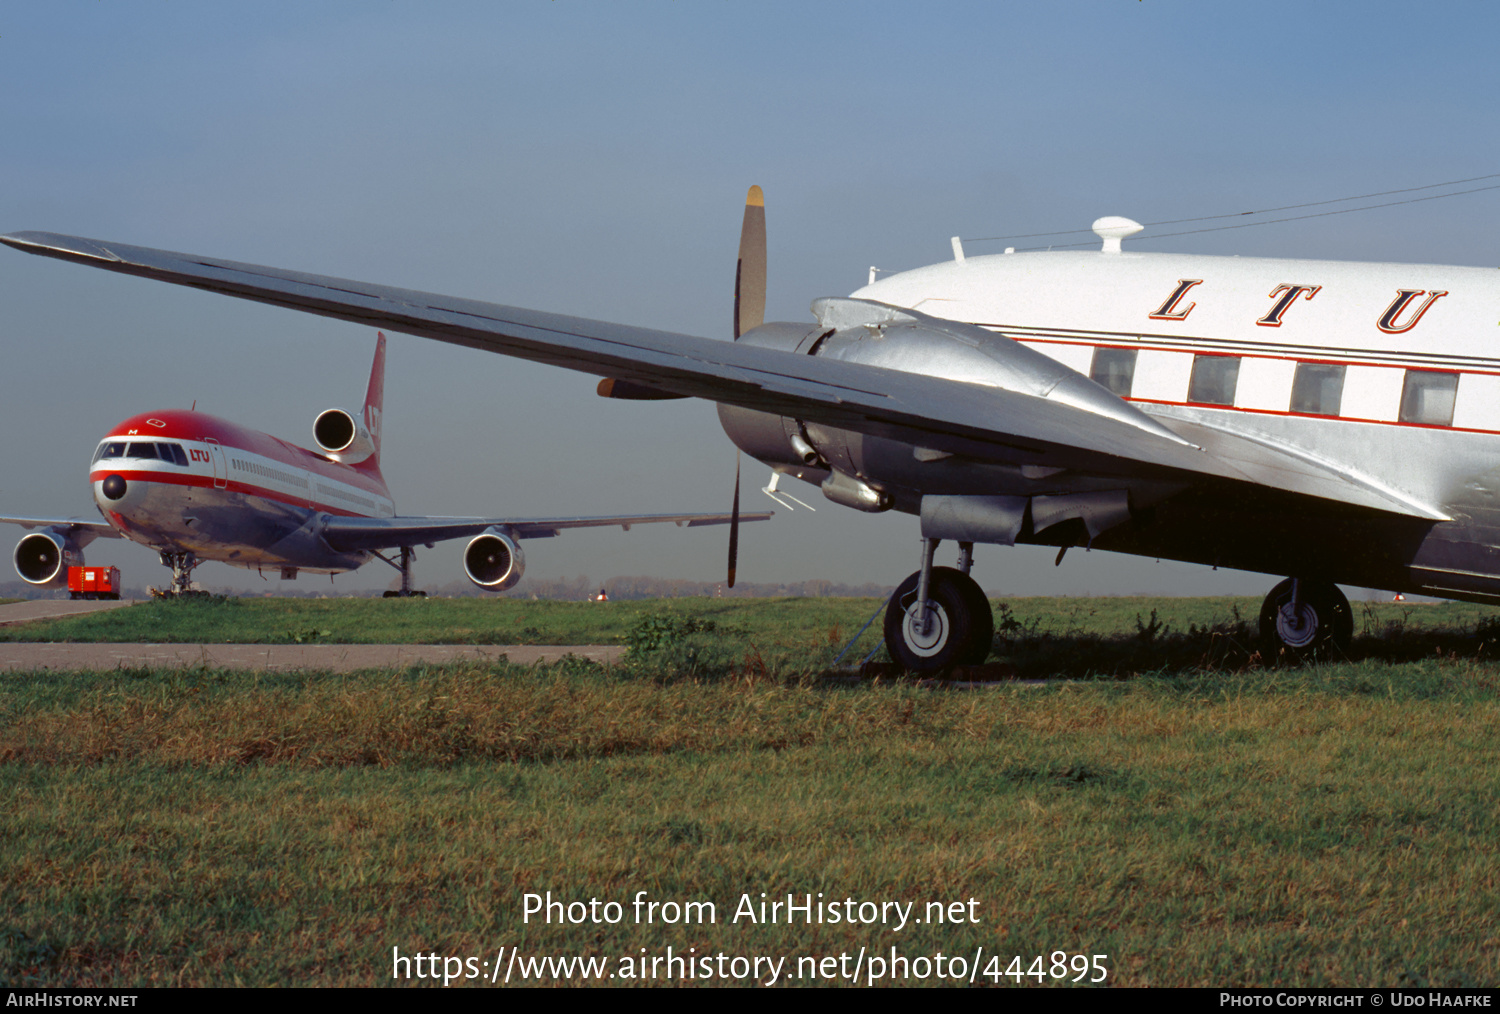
43 558
342 437
493 559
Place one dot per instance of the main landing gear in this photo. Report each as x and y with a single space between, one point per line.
406 590
1302 616
939 617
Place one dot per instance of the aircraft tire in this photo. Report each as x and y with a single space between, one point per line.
983 632
960 623
1324 622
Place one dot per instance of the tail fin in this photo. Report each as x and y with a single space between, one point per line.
375 395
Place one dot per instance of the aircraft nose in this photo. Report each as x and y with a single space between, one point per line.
113 487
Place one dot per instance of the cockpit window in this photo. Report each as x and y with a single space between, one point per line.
173 452
110 449
141 450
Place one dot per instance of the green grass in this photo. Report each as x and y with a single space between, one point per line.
1024 626
426 621
1208 820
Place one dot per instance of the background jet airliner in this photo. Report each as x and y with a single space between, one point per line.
197 488
1331 421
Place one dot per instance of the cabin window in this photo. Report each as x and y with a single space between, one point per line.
1114 370
1428 397
1214 380
141 451
1317 389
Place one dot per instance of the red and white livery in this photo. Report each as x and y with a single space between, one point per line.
195 487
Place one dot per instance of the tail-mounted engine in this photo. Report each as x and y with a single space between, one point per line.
493 559
43 558
342 437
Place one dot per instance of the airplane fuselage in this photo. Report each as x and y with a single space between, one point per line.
189 482
1384 373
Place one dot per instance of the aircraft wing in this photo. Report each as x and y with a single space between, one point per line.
985 423
94 529
351 534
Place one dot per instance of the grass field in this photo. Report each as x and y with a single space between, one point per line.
1198 813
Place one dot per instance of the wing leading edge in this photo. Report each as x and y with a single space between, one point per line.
982 422
352 534
93 529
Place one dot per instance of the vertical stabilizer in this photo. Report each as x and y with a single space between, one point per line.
375 395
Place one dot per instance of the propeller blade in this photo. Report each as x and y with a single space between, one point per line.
750 272
734 523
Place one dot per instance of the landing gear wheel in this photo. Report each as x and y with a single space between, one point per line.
1321 620
982 631
960 626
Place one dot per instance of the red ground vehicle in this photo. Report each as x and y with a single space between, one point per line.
94 582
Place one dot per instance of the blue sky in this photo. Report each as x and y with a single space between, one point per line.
591 158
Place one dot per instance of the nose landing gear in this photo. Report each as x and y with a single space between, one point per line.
182 564
1302 616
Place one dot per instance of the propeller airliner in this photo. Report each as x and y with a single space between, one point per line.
1331 422
196 488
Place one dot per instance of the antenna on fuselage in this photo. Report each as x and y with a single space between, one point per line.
1112 229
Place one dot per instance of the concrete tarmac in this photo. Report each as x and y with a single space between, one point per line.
71 656
51 609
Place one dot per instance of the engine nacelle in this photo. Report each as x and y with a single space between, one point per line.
493 559
342 437
43 558
776 440
874 473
